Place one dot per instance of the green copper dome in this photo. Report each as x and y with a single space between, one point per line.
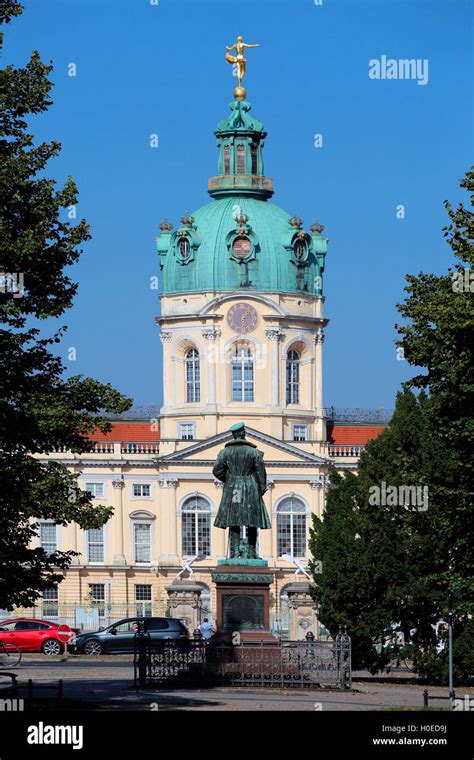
240 241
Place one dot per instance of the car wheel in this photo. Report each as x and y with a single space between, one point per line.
92 647
51 647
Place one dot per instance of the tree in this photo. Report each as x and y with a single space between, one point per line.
437 337
40 410
424 550
346 585
366 543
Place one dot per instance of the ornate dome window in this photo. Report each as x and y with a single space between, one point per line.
184 249
241 247
300 250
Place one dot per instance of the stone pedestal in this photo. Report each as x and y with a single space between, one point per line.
302 610
243 599
184 603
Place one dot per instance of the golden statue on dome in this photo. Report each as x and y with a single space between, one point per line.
240 62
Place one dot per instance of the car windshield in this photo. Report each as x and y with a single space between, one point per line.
8 625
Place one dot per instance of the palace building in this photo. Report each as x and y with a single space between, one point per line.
242 327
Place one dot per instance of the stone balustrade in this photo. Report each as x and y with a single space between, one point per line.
345 450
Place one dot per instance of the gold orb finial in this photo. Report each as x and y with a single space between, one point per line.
240 93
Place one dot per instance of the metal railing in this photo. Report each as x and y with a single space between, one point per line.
224 181
279 664
358 414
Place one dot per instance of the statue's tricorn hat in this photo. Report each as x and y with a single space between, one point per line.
237 426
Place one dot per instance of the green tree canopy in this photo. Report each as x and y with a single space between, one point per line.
40 410
410 558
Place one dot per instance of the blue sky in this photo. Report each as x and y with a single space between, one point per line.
144 69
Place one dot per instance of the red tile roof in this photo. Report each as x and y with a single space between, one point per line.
353 434
140 432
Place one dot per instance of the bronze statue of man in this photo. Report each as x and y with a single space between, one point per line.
241 468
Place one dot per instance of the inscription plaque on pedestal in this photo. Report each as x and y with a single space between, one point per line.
242 612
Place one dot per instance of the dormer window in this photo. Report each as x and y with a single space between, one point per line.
241 247
300 250
183 248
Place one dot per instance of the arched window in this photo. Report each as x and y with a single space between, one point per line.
291 527
243 374
226 159
240 153
292 377
193 384
196 526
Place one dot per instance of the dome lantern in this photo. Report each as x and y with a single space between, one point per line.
240 139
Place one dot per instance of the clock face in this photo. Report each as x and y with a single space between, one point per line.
242 318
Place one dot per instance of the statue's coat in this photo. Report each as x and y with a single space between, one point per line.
241 468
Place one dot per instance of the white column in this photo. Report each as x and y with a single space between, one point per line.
165 338
266 536
319 340
274 335
219 535
168 522
119 556
212 335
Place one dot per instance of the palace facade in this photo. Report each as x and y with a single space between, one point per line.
242 327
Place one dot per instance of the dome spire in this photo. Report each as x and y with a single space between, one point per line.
240 139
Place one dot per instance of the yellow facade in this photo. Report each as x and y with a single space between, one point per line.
182 469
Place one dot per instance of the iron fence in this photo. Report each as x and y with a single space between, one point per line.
266 664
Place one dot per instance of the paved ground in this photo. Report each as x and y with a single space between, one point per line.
107 683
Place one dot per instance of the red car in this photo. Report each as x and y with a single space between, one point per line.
32 635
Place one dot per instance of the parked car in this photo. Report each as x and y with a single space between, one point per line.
31 635
120 637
